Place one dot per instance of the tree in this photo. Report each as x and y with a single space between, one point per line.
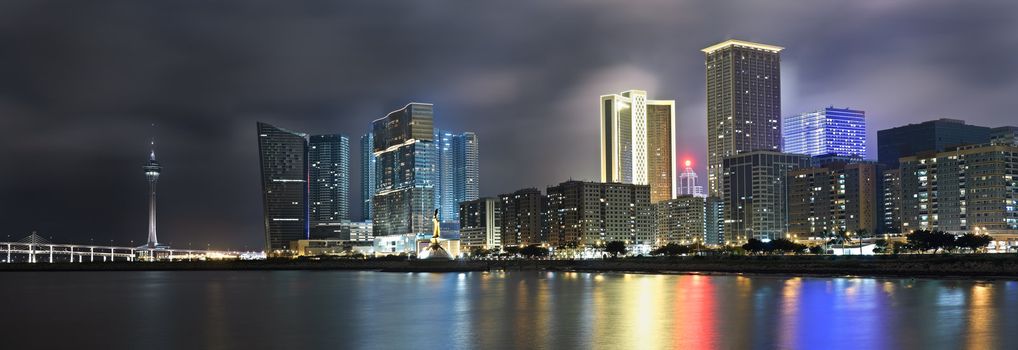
479 252
615 248
817 250
754 246
534 251
973 241
881 246
782 245
671 249
511 250
925 240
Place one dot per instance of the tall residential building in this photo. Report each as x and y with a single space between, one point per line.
891 201
930 136
837 197
329 172
284 171
714 232
755 187
687 182
638 142
593 213
826 131
743 103
457 172
369 182
682 220
524 217
402 142
969 189
481 223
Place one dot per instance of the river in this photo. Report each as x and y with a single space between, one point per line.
525 309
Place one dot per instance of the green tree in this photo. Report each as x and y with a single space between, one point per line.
479 252
534 251
782 245
881 246
511 250
817 250
671 249
615 248
973 242
754 246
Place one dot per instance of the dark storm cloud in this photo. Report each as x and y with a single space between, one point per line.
82 82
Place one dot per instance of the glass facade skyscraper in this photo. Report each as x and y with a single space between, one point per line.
743 102
827 131
456 172
930 136
638 142
369 182
284 172
402 143
755 187
329 172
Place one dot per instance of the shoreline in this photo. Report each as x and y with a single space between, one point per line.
983 266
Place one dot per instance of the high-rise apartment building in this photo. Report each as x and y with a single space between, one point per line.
481 223
594 213
638 142
369 182
743 103
402 143
826 131
687 182
284 172
755 187
891 201
969 189
836 197
329 167
457 171
524 217
715 220
682 220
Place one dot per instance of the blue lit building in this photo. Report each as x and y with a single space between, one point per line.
826 131
456 172
402 143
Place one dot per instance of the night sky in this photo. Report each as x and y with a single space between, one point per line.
81 83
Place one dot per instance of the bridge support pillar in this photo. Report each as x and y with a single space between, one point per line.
91 254
51 254
31 253
8 253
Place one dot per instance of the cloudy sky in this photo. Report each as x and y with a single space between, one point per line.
81 83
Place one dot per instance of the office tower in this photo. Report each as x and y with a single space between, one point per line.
755 188
594 213
456 172
1005 135
152 171
743 103
524 217
402 142
284 170
834 198
715 221
481 223
971 189
687 182
638 142
368 179
682 220
930 136
891 188
826 131
329 173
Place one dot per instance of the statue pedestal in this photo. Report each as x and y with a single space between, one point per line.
434 251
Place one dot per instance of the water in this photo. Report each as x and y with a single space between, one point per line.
373 310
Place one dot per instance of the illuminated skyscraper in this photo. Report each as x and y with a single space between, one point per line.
405 197
368 179
284 169
638 142
755 185
152 171
329 167
687 182
456 172
743 102
827 131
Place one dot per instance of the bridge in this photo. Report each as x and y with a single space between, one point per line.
35 249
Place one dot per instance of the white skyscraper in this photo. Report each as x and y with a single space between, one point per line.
687 182
638 143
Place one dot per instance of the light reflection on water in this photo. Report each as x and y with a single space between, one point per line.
316 309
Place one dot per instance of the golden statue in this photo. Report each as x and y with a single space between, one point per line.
436 231
434 250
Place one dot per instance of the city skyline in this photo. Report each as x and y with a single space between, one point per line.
207 141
